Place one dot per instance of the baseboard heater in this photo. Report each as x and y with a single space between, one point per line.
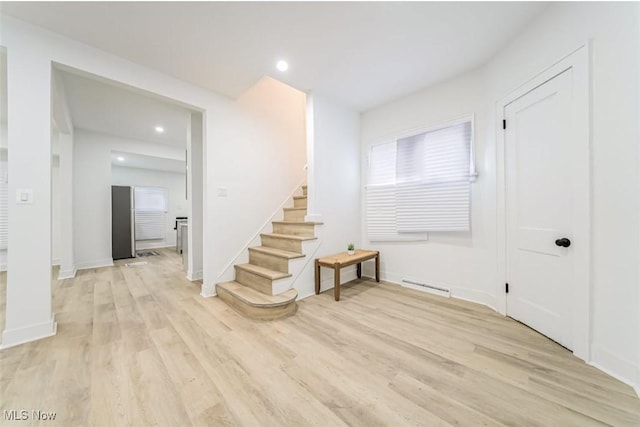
430 288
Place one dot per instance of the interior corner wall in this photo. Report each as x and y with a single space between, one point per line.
177 203
255 166
65 197
336 186
92 191
437 261
56 203
195 191
4 159
612 30
91 201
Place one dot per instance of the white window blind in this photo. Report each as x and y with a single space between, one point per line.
150 209
381 194
4 205
382 215
433 171
420 183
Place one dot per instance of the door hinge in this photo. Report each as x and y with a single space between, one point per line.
506 288
504 124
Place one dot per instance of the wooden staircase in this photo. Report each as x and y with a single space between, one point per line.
252 292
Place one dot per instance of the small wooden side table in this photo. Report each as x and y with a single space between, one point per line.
342 260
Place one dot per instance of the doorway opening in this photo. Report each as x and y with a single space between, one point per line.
123 175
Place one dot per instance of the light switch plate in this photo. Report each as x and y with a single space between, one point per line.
222 191
24 196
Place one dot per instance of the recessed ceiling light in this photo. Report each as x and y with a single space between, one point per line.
282 65
159 129
120 159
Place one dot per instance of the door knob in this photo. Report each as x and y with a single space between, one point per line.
564 242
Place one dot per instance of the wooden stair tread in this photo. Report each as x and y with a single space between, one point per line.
294 209
257 299
289 236
264 272
277 252
299 197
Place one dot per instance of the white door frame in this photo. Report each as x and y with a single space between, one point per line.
578 61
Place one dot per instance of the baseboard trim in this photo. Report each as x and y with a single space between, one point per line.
457 292
14 337
346 275
313 218
196 275
208 291
615 366
67 274
301 297
159 245
108 262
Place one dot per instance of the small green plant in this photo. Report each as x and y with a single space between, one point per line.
351 247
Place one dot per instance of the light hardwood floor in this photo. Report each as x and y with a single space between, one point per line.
138 346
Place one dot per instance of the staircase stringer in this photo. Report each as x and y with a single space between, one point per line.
242 256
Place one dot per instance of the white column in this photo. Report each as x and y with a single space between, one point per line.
28 313
312 213
195 196
67 258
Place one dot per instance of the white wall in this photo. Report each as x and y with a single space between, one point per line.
334 186
177 203
259 159
28 304
56 222
92 191
196 193
3 158
240 143
613 31
437 260
65 197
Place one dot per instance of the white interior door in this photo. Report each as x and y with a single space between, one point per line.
539 169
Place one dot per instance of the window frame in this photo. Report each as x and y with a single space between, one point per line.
395 136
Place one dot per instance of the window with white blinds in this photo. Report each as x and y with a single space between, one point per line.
150 210
4 205
420 183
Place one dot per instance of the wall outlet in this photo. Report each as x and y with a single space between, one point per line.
222 191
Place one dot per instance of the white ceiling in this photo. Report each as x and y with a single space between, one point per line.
147 162
361 53
106 108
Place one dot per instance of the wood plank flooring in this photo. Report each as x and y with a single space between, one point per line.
138 346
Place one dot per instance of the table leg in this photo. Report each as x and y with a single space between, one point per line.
317 277
336 282
359 270
378 268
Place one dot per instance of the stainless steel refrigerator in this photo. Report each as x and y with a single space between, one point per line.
122 223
